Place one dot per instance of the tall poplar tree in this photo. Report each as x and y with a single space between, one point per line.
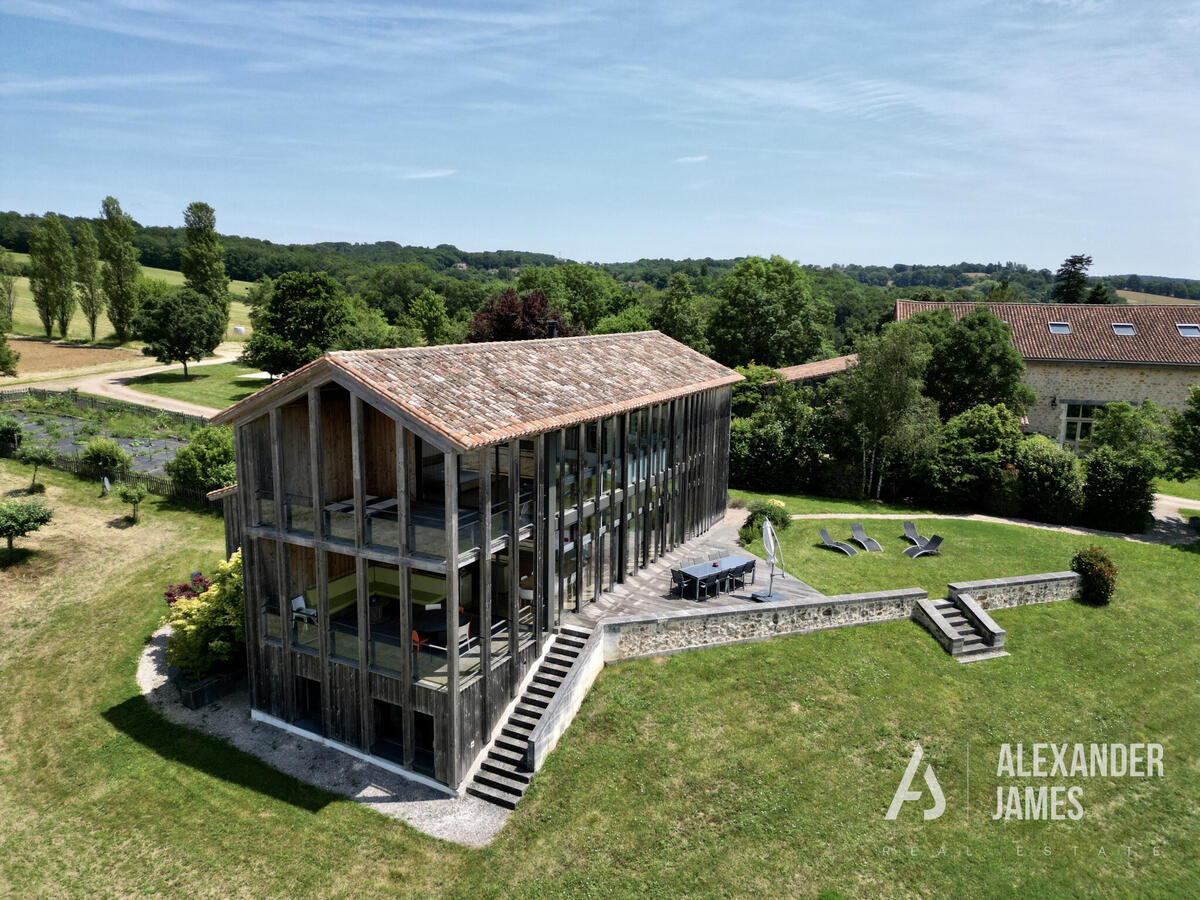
202 261
87 276
121 268
52 274
1070 281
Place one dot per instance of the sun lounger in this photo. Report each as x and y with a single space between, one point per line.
930 546
910 532
859 535
835 545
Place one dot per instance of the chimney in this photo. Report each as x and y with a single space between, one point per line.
552 328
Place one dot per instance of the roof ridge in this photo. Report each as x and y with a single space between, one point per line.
497 344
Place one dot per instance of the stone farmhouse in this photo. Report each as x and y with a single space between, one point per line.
1078 357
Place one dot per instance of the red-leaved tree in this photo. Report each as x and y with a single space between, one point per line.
510 316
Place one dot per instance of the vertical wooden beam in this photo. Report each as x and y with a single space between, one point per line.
514 559
320 558
579 467
621 476
281 564
485 580
559 510
406 647
253 597
316 456
614 519
598 468
452 729
362 581
541 603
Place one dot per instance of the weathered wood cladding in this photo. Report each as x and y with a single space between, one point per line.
528 529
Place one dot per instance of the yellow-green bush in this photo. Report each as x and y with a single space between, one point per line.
209 629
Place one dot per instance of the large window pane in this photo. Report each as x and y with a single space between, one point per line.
343 608
302 593
387 644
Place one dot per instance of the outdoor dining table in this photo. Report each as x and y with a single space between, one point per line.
432 622
722 569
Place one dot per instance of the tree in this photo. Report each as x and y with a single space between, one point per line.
1101 293
202 260
974 362
1002 292
679 316
8 288
1118 490
133 494
1185 437
36 455
52 274
766 313
880 398
976 446
509 316
209 629
778 448
634 317
587 294
121 268
19 518
206 462
369 330
179 325
87 275
1140 430
1070 281
428 313
1050 481
305 315
8 357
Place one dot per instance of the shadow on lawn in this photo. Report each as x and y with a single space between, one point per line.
175 743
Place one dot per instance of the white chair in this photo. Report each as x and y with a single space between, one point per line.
303 613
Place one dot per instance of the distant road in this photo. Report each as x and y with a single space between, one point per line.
116 384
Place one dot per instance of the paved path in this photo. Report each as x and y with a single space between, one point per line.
116 384
1168 528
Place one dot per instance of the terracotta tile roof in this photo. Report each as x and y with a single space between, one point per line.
222 492
479 394
820 369
1156 341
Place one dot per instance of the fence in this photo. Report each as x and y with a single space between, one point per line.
91 402
73 462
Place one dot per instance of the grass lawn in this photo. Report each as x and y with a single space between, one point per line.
758 770
1189 490
216 385
807 504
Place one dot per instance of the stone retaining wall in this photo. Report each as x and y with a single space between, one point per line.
629 637
1020 590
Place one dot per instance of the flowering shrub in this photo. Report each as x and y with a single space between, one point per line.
1098 573
208 629
772 509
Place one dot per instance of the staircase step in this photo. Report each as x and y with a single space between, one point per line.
529 712
574 631
561 658
516 734
540 690
501 782
940 605
483 792
547 680
572 643
505 770
511 757
525 721
553 670
510 745
535 700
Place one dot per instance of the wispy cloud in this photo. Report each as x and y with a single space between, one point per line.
428 173
69 84
691 159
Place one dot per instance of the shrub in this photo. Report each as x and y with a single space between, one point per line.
205 463
104 456
764 509
36 455
1049 481
197 585
10 432
1118 492
133 494
21 517
1098 574
975 445
208 630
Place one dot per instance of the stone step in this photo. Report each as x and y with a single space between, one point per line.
499 798
523 720
505 770
555 671
510 745
549 680
574 631
540 690
504 755
562 662
535 700
515 733
499 782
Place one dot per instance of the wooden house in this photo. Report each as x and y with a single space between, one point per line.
415 523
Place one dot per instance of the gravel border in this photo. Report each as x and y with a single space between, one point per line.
466 820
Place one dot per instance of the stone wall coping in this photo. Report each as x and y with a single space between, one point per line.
612 622
966 587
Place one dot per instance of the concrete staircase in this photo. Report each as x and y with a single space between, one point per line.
504 775
962 627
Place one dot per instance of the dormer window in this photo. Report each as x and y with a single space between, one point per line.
1188 330
1123 328
1060 327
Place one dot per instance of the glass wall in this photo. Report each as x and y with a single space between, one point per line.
297 469
388 643
337 476
266 579
258 468
343 607
379 480
302 597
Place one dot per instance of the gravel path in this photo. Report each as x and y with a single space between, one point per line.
466 820
116 384
1168 528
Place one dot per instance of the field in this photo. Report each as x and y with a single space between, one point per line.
217 385
26 321
1141 298
762 769
38 357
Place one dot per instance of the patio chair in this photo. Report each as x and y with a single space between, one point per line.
829 542
302 613
910 532
859 535
677 582
930 546
751 568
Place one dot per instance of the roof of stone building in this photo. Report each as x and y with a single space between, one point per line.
1090 337
478 394
815 371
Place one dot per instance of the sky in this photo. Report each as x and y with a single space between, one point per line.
873 133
